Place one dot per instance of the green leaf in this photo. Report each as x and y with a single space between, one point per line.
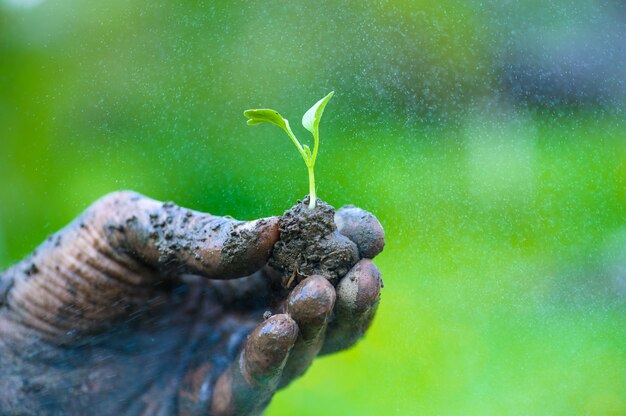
265 115
311 118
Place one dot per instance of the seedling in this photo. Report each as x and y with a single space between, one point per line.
310 121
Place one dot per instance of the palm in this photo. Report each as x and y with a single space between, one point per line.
168 356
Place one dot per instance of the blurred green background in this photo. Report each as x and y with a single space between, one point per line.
488 137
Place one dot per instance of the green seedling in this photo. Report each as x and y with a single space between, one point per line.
310 121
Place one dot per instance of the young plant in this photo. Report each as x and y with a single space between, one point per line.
310 121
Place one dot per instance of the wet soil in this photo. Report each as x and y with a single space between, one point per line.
310 244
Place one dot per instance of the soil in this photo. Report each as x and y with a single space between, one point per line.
310 245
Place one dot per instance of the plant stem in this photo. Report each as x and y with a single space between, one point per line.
295 141
312 196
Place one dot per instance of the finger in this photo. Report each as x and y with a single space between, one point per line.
358 295
167 236
309 304
363 228
110 261
246 387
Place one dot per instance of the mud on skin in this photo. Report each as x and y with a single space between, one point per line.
310 244
135 283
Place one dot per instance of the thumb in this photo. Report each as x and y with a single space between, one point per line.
110 260
168 237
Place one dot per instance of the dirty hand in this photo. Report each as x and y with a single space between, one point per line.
139 307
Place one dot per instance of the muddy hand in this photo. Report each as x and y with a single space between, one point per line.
114 314
317 319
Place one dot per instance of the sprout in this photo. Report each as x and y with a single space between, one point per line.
310 121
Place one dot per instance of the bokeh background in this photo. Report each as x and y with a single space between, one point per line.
488 137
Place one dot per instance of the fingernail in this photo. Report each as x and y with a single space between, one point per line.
310 304
268 346
361 286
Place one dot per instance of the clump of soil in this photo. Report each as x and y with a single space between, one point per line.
311 245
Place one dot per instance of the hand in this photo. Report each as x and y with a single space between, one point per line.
122 312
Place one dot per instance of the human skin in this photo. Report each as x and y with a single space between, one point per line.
139 307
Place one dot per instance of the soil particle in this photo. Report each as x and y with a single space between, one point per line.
131 220
6 282
32 270
310 244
